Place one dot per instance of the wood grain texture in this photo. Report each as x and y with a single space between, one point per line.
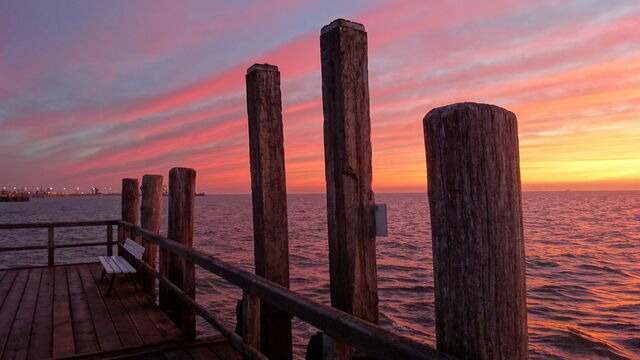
40 343
106 332
17 346
127 331
476 221
10 307
62 311
269 195
251 320
130 198
63 342
347 145
84 331
182 187
150 211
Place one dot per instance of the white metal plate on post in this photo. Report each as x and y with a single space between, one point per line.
381 220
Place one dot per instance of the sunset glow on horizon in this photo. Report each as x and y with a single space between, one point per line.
92 92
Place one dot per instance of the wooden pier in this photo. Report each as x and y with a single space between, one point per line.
474 193
62 311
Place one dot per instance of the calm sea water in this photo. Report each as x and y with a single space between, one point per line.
583 262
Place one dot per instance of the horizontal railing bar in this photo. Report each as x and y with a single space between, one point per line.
335 323
58 224
22 248
45 247
234 339
64 246
47 266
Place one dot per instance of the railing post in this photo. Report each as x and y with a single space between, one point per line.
251 320
150 211
50 247
347 149
120 238
182 187
476 221
269 198
109 240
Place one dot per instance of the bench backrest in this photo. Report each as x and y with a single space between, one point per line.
133 248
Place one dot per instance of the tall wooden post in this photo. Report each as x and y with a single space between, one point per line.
130 198
347 152
269 194
150 211
182 187
476 221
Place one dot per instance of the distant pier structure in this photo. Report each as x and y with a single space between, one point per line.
64 310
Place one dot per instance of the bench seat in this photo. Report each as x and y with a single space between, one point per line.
116 265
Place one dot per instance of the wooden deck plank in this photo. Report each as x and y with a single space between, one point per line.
6 283
181 349
225 351
106 333
137 311
18 342
63 342
40 343
202 352
10 307
176 354
83 330
3 273
63 311
129 336
160 319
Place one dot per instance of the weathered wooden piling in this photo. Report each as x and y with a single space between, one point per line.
476 220
129 203
150 211
182 187
347 149
269 196
130 196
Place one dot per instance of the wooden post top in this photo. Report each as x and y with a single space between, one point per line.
263 67
151 176
342 23
182 169
446 111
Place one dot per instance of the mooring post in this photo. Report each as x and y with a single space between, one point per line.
130 198
347 149
182 189
476 220
269 195
150 210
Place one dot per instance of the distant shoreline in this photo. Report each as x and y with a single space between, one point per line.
376 193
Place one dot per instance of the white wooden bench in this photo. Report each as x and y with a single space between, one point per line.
115 265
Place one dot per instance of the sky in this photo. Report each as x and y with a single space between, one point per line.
94 91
